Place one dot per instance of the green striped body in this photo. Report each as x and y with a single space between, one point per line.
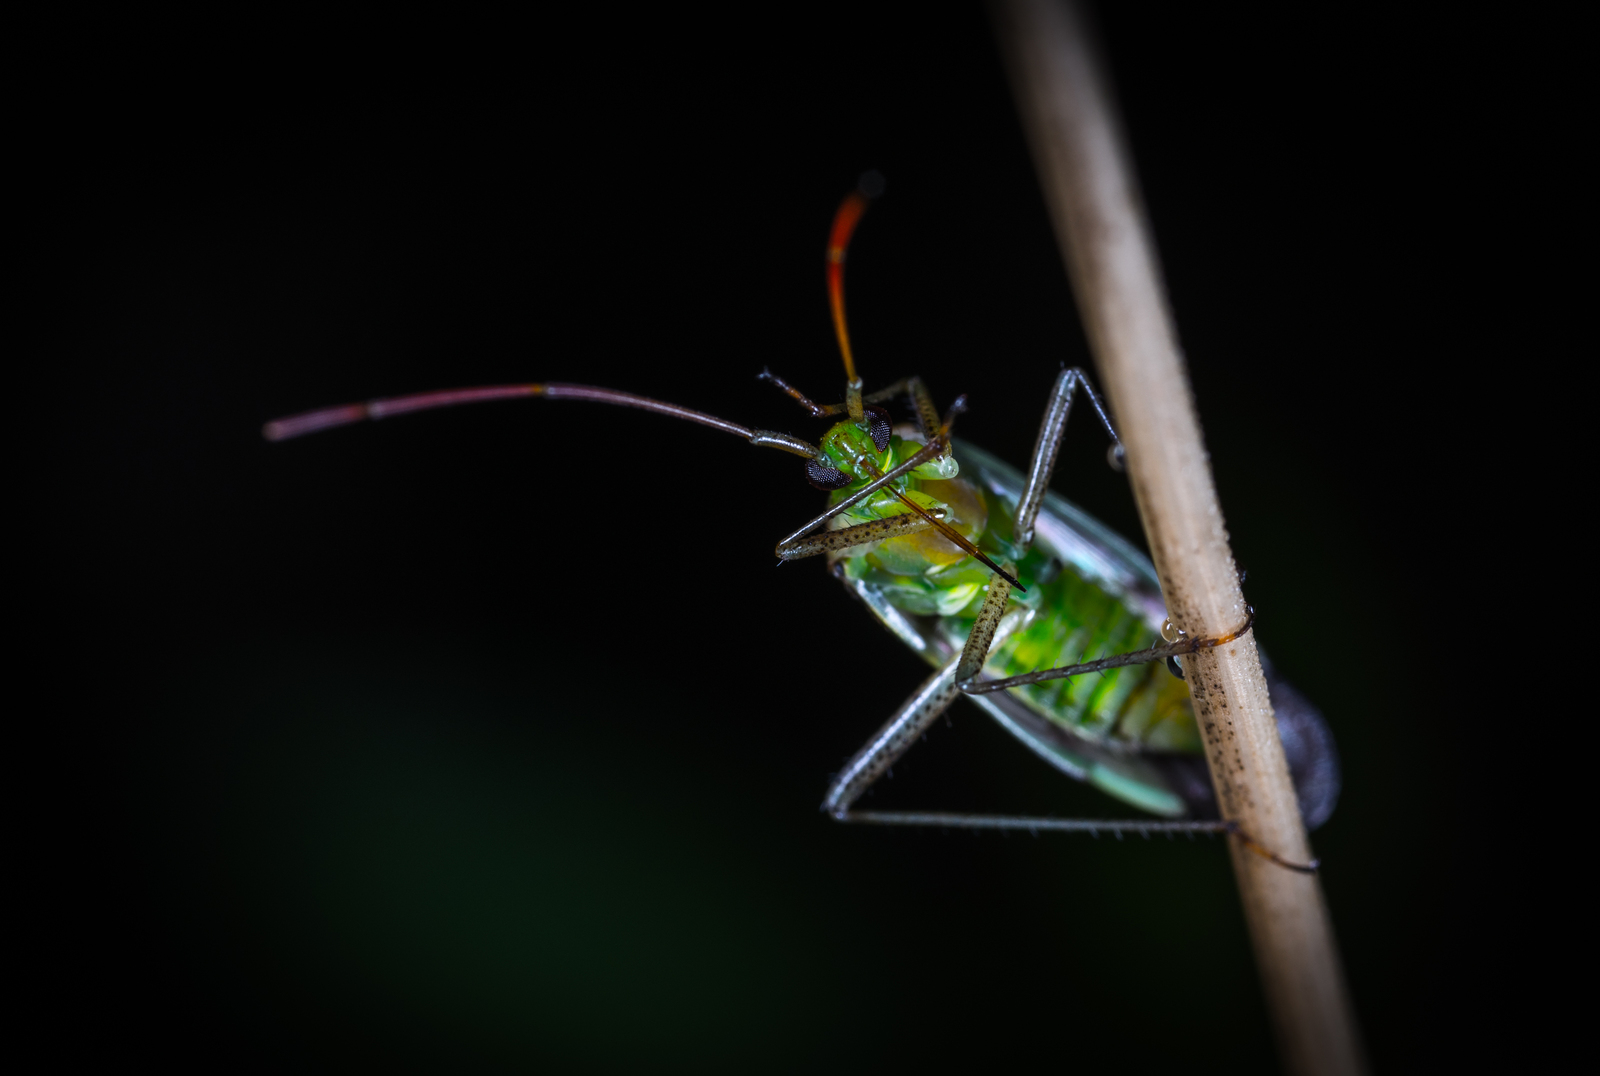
1089 594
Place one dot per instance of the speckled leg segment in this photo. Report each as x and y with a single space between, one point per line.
913 718
875 530
1045 450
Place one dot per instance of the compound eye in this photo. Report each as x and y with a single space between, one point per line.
824 475
878 426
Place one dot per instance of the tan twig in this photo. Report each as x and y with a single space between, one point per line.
1093 196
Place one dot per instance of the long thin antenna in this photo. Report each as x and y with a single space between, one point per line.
844 226
328 417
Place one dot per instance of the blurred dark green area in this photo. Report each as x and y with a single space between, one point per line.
492 738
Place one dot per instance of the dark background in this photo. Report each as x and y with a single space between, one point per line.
492 738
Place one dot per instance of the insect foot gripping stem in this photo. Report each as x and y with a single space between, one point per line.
1246 840
1184 645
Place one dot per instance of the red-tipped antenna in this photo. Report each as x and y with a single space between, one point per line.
844 226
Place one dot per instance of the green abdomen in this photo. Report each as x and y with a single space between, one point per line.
1075 621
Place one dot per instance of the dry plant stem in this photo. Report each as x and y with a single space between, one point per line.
1092 193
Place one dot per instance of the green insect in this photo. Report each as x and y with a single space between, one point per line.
1002 586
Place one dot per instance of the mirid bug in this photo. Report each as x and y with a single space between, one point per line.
1001 585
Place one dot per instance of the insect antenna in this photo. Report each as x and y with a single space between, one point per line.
328 417
815 410
844 225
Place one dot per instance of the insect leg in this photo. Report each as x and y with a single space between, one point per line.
874 530
1115 661
927 413
925 705
1048 446
1093 826
902 730
1034 823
